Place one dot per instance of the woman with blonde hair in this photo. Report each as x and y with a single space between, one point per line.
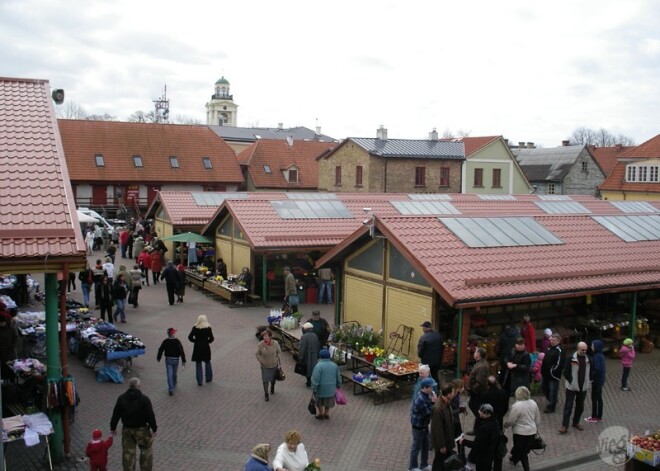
201 336
524 418
268 356
291 455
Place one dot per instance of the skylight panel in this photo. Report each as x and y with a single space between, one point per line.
424 207
632 228
634 206
429 196
267 169
500 232
206 198
497 197
554 197
562 207
311 196
313 209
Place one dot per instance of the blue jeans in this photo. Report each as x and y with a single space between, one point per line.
121 305
208 370
85 291
325 287
171 367
421 443
550 390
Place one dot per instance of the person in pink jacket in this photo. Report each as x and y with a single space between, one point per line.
627 353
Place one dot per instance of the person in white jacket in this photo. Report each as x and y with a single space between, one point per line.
524 418
291 455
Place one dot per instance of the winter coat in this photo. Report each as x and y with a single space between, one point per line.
144 260
325 378
105 295
308 354
97 451
442 426
256 464
553 364
545 344
498 398
571 374
429 348
627 355
119 290
507 341
524 417
156 261
202 339
171 277
172 348
598 364
422 411
486 438
135 410
521 374
138 246
529 334
536 370
418 387
478 380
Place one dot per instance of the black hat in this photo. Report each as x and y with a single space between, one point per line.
426 324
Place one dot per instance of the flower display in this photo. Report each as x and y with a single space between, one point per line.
372 351
355 336
314 465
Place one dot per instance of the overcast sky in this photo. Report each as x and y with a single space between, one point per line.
527 70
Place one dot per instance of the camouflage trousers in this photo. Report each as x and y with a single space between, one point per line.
130 437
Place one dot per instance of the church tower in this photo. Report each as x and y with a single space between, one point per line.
221 110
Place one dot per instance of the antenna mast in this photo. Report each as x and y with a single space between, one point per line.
162 107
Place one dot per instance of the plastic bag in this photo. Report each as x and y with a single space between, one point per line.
340 397
108 374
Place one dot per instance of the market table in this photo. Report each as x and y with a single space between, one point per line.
195 279
14 429
289 339
229 292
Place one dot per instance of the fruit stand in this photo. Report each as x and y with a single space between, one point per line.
644 450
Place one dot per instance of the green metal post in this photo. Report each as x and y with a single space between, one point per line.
264 279
459 343
54 368
633 315
338 294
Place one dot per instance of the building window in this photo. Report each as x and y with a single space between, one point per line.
420 176
497 178
653 174
551 188
137 161
358 175
478 177
585 167
444 176
338 175
208 165
642 173
174 162
99 160
267 169
293 176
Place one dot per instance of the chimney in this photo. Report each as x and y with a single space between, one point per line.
381 133
618 147
565 143
433 135
530 145
318 130
521 145
280 126
289 140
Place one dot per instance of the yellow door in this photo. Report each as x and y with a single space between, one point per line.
363 302
408 309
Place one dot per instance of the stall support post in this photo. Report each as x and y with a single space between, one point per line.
461 347
633 315
339 294
53 366
65 366
264 279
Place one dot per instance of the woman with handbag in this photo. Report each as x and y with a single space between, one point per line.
325 381
524 418
268 356
308 354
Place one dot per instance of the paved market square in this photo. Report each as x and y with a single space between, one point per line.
214 427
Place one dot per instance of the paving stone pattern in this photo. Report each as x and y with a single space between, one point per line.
214 427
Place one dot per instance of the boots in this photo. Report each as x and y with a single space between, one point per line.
272 387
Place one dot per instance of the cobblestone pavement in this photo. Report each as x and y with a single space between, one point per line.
214 427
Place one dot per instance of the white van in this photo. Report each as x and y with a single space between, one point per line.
100 220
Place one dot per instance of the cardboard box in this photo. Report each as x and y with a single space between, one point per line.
645 456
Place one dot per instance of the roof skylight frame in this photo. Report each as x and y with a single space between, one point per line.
562 207
424 208
311 209
631 228
497 197
430 196
208 164
635 206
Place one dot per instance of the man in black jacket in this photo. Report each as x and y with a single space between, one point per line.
429 349
172 279
138 426
551 368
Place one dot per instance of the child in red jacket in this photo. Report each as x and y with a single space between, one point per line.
97 450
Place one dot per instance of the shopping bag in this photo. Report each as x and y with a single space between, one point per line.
280 376
340 397
300 369
311 407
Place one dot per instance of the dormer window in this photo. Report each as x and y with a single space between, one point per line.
267 169
98 158
174 161
208 165
644 173
137 161
293 175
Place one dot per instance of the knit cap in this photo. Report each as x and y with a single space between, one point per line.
97 434
628 342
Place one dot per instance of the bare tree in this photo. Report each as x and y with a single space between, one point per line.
71 110
180 119
599 137
142 117
449 134
101 117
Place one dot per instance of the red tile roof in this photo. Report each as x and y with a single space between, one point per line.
475 144
38 221
616 181
591 259
118 142
649 149
279 155
607 156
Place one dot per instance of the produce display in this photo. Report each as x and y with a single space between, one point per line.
646 448
396 364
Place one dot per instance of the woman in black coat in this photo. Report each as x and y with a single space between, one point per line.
105 299
486 440
518 368
201 336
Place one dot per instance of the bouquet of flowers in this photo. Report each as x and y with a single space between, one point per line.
375 351
314 465
354 336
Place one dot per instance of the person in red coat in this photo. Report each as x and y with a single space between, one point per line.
144 262
97 451
156 265
529 334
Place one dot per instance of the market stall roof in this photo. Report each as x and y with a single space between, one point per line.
39 230
495 259
188 237
84 218
269 223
